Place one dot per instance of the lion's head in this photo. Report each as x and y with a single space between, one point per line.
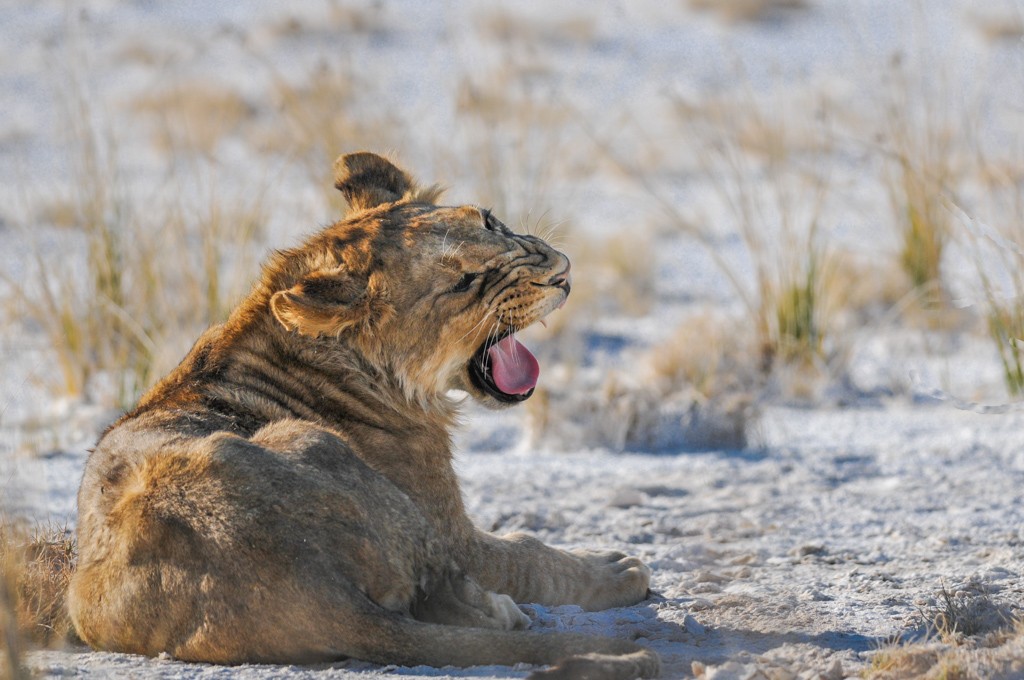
431 296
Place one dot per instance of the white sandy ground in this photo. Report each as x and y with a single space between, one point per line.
807 553
833 532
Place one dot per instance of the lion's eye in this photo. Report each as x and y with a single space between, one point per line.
464 283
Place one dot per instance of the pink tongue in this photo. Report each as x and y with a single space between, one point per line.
513 367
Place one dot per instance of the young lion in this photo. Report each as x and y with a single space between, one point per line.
287 495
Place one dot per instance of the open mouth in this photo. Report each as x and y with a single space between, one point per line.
505 369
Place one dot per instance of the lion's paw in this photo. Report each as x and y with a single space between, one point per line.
617 579
506 613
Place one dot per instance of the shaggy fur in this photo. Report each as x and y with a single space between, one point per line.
287 493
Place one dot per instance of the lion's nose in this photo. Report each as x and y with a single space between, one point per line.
563 279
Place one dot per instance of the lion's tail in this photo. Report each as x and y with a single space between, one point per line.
401 640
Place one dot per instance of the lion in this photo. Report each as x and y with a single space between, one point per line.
287 495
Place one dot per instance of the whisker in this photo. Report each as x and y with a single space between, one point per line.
492 334
552 228
477 325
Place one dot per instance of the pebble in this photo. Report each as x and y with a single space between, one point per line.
748 558
807 550
693 626
705 576
706 589
834 672
701 603
814 596
627 497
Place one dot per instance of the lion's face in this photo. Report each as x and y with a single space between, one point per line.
468 284
433 295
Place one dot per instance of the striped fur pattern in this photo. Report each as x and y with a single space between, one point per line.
287 494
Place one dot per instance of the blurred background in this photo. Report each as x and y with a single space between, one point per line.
797 232
811 202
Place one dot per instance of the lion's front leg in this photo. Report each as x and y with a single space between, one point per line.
530 571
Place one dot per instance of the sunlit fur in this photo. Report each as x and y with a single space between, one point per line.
286 494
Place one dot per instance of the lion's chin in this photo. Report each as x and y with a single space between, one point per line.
492 399
462 388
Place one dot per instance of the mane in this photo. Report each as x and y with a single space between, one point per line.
430 194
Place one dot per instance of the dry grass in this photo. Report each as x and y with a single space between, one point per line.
607 414
618 412
736 11
866 289
341 17
800 322
151 277
515 131
925 228
38 566
968 636
774 194
766 165
144 54
964 612
710 361
999 655
618 273
693 391
507 27
75 316
923 170
1006 328
901 661
58 211
766 169
996 238
615 277
999 26
194 116
709 353
321 116
11 639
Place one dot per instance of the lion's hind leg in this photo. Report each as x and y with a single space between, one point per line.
224 551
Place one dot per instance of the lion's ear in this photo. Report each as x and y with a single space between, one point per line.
367 180
323 303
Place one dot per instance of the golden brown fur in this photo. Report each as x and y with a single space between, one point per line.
287 493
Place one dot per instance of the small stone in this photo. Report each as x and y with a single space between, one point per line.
692 625
705 576
697 668
807 550
748 558
701 604
834 672
814 596
706 589
627 497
